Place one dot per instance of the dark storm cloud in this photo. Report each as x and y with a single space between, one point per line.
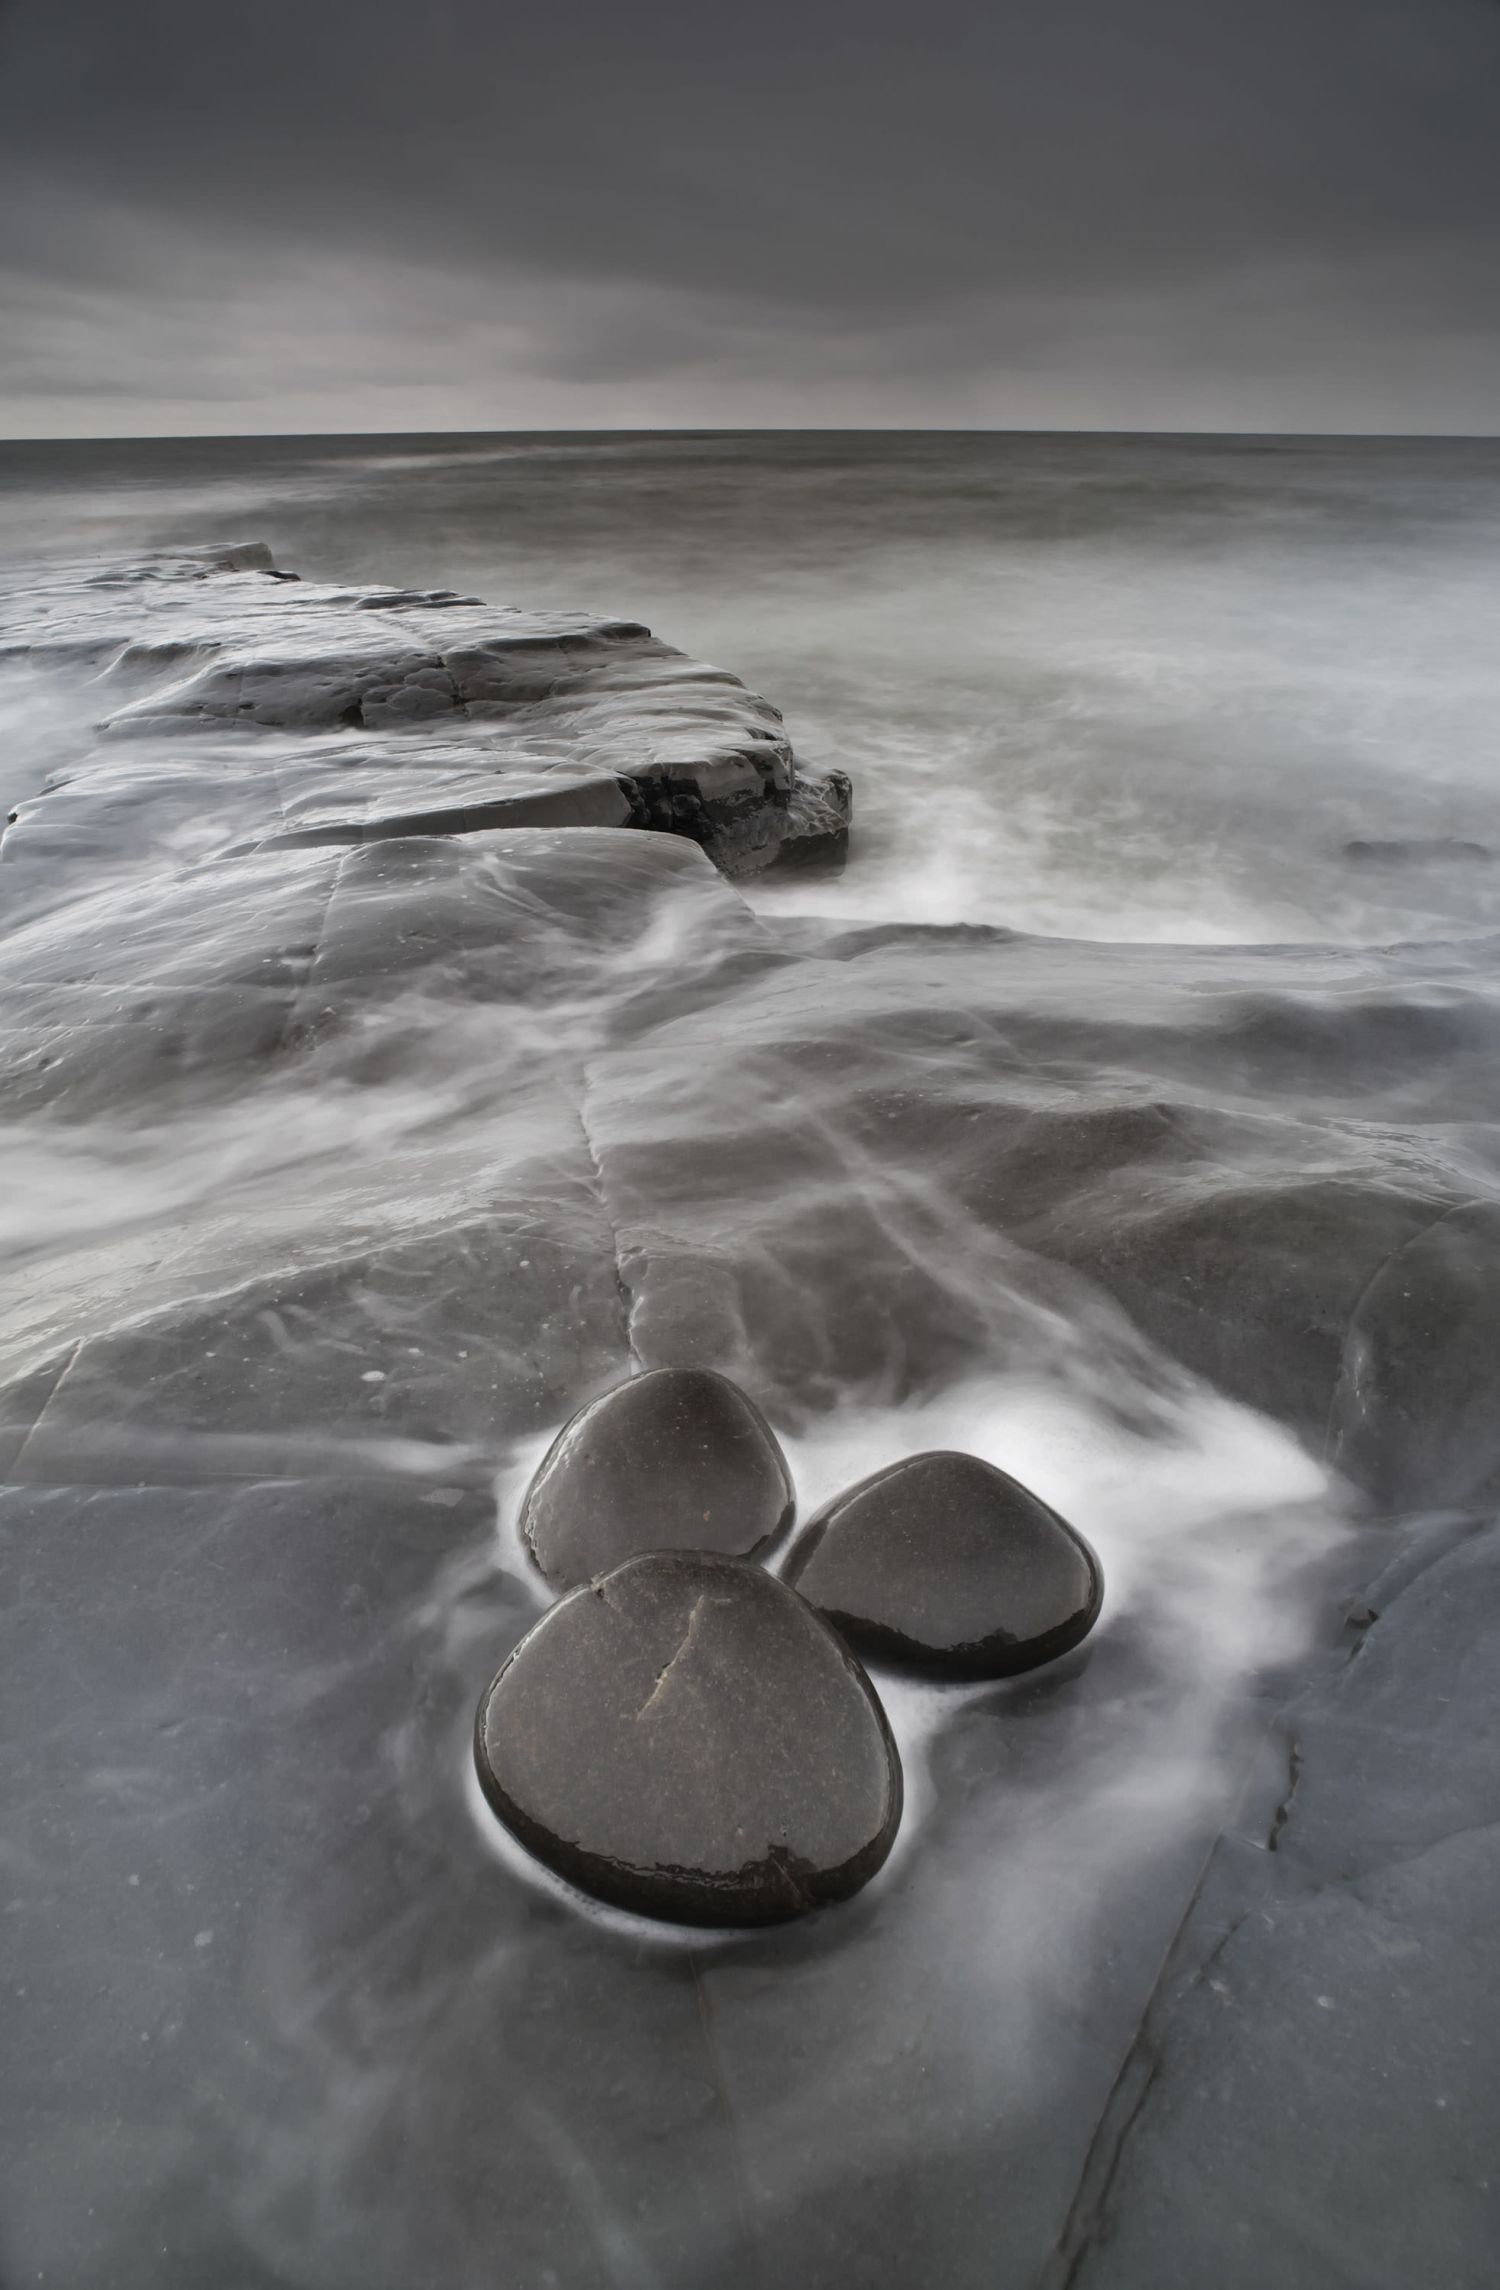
809 198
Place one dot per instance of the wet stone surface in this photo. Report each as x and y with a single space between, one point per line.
678 1459
949 1565
685 1738
353 1166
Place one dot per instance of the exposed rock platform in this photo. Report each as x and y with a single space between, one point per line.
340 1176
396 712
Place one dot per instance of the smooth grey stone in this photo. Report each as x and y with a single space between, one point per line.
255 1957
686 1739
1208 1154
424 1353
677 1459
1314 2093
945 1563
1415 1416
456 804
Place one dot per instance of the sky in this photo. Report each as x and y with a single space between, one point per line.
321 215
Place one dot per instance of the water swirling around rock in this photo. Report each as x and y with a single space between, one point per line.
343 1173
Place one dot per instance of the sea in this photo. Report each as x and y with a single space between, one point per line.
1106 687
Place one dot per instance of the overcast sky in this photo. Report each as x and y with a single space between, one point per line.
369 214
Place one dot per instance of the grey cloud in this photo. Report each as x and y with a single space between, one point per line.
844 199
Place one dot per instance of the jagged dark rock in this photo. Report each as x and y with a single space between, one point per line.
949 1565
677 1459
815 838
389 712
685 1738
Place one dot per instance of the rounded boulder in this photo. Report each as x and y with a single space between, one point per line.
946 1564
677 1459
686 1738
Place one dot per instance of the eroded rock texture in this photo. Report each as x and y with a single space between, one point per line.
359 714
685 1738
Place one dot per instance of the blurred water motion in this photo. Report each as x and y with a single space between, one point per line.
1108 1118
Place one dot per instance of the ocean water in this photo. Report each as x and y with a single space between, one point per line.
1109 1117
1111 688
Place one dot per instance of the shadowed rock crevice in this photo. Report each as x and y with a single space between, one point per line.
1087 2220
1282 1813
622 1284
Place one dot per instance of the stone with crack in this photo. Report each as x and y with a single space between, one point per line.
948 1565
687 1739
677 1459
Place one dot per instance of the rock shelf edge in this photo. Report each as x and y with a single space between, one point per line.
283 711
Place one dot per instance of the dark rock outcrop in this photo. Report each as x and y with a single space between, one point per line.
384 712
687 1739
815 839
944 1563
677 1459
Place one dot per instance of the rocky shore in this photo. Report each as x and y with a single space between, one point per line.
374 1104
399 712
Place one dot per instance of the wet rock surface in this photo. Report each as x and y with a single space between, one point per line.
676 1459
815 839
1323 1988
945 1563
295 711
342 1176
685 1738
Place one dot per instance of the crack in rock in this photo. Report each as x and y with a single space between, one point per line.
1294 1775
665 1672
1083 2227
622 1286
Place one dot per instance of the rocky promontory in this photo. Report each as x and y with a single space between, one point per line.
269 710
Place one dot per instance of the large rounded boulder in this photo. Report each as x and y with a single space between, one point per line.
677 1459
947 1565
686 1738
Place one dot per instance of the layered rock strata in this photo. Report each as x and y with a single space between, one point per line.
265 710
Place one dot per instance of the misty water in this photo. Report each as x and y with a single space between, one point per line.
1125 1114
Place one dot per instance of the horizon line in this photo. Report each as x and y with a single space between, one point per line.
771 429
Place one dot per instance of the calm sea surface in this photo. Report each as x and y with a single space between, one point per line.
1109 687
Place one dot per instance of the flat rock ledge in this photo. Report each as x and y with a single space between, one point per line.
677 1459
685 1738
277 710
947 1565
